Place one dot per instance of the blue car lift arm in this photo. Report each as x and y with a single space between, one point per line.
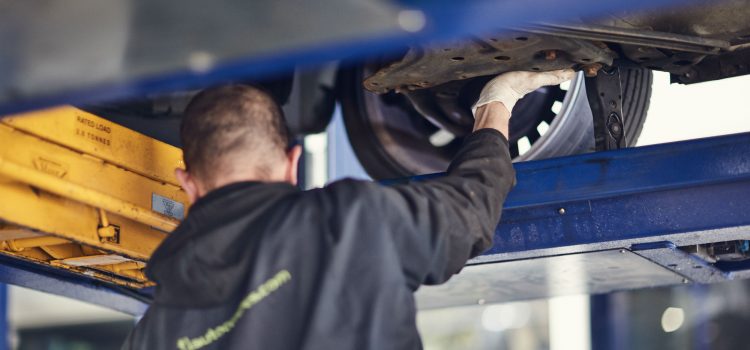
688 192
609 221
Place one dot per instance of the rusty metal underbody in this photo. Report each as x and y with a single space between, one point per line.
685 42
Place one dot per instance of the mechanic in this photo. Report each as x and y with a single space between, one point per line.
259 264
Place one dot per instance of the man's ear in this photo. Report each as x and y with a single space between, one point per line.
188 184
292 162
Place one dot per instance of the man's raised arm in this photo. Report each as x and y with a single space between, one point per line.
440 223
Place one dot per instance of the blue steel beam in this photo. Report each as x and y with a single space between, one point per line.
685 192
609 221
690 192
4 329
84 51
59 282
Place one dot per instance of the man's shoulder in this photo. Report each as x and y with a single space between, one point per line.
345 187
344 195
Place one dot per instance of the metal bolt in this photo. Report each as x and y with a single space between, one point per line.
622 251
685 280
592 70
106 232
550 55
561 211
615 128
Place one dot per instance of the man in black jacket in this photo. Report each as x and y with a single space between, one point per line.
259 264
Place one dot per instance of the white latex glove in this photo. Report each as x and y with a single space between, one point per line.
510 87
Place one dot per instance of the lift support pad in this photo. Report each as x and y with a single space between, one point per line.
85 196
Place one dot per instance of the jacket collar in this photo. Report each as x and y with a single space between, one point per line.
216 208
218 193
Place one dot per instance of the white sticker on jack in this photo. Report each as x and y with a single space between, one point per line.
168 207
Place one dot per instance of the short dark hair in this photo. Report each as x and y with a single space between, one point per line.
228 121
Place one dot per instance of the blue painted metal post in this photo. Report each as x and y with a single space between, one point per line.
610 322
701 318
4 336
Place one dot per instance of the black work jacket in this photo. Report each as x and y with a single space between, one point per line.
266 266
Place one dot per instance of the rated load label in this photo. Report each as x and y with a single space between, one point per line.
168 207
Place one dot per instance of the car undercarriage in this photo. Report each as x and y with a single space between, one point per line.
406 111
440 81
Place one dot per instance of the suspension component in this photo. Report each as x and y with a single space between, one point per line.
605 98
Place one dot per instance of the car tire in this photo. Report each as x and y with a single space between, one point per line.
392 140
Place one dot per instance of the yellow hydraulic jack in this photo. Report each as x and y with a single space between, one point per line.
80 193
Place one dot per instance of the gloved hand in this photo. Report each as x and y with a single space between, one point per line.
510 87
